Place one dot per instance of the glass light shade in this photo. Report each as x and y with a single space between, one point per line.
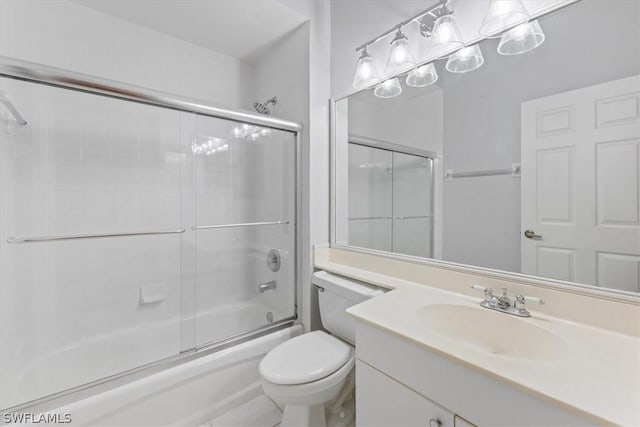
422 76
465 60
502 14
521 39
388 88
366 72
400 56
445 37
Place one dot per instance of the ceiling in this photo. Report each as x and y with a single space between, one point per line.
234 27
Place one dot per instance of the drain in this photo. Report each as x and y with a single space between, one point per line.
270 317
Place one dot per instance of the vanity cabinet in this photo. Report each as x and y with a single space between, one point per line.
402 383
383 402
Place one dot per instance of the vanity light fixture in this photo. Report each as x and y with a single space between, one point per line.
399 56
521 39
467 59
422 76
366 72
508 19
388 88
502 15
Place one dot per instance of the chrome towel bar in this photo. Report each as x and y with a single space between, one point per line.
90 236
514 171
240 224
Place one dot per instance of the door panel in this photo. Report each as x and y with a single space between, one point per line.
581 183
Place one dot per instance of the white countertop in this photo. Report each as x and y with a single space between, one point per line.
596 374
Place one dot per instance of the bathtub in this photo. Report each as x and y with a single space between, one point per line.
187 394
81 362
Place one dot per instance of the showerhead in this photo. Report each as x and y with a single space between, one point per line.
263 108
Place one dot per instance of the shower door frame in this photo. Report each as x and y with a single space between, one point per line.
379 144
32 72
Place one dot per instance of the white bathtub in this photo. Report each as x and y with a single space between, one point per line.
185 395
70 365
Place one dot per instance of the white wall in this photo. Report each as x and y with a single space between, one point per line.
64 34
411 120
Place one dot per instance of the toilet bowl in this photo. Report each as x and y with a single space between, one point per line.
311 375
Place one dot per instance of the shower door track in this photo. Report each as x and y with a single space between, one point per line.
52 76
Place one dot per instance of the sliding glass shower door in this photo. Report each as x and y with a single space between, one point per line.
245 221
390 200
131 233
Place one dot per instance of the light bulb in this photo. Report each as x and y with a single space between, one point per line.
521 39
465 60
501 15
388 88
400 56
422 76
445 37
366 73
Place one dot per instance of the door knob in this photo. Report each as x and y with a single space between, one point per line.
530 234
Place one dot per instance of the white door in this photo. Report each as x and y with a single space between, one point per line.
580 185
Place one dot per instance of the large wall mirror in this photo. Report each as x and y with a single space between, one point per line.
528 164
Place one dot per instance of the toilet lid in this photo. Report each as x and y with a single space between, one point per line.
305 358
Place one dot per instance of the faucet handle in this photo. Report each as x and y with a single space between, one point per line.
533 300
522 299
488 292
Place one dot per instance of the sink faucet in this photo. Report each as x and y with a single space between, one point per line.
504 304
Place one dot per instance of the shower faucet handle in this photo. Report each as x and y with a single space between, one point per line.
262 287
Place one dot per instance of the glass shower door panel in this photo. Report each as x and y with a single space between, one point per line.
412 204
245 204
77 310
412 236
370 197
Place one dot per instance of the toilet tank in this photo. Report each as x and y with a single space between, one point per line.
335 295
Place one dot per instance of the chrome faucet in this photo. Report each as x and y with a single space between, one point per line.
504 304
262 287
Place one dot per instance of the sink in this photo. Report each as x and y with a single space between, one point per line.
492 332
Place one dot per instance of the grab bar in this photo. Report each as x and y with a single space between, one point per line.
12 109
240 224
90 236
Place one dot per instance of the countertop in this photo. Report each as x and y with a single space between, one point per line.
596 373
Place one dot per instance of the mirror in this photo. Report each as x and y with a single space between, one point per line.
528 164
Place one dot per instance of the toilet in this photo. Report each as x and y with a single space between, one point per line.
311 375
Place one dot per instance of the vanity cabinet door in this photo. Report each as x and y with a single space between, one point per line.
382 401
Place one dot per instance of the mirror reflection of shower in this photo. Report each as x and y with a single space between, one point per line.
263 107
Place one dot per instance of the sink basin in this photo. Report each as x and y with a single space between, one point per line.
491 331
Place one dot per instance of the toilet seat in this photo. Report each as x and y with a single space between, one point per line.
313 393
305 359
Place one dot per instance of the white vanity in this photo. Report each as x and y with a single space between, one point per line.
431 356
